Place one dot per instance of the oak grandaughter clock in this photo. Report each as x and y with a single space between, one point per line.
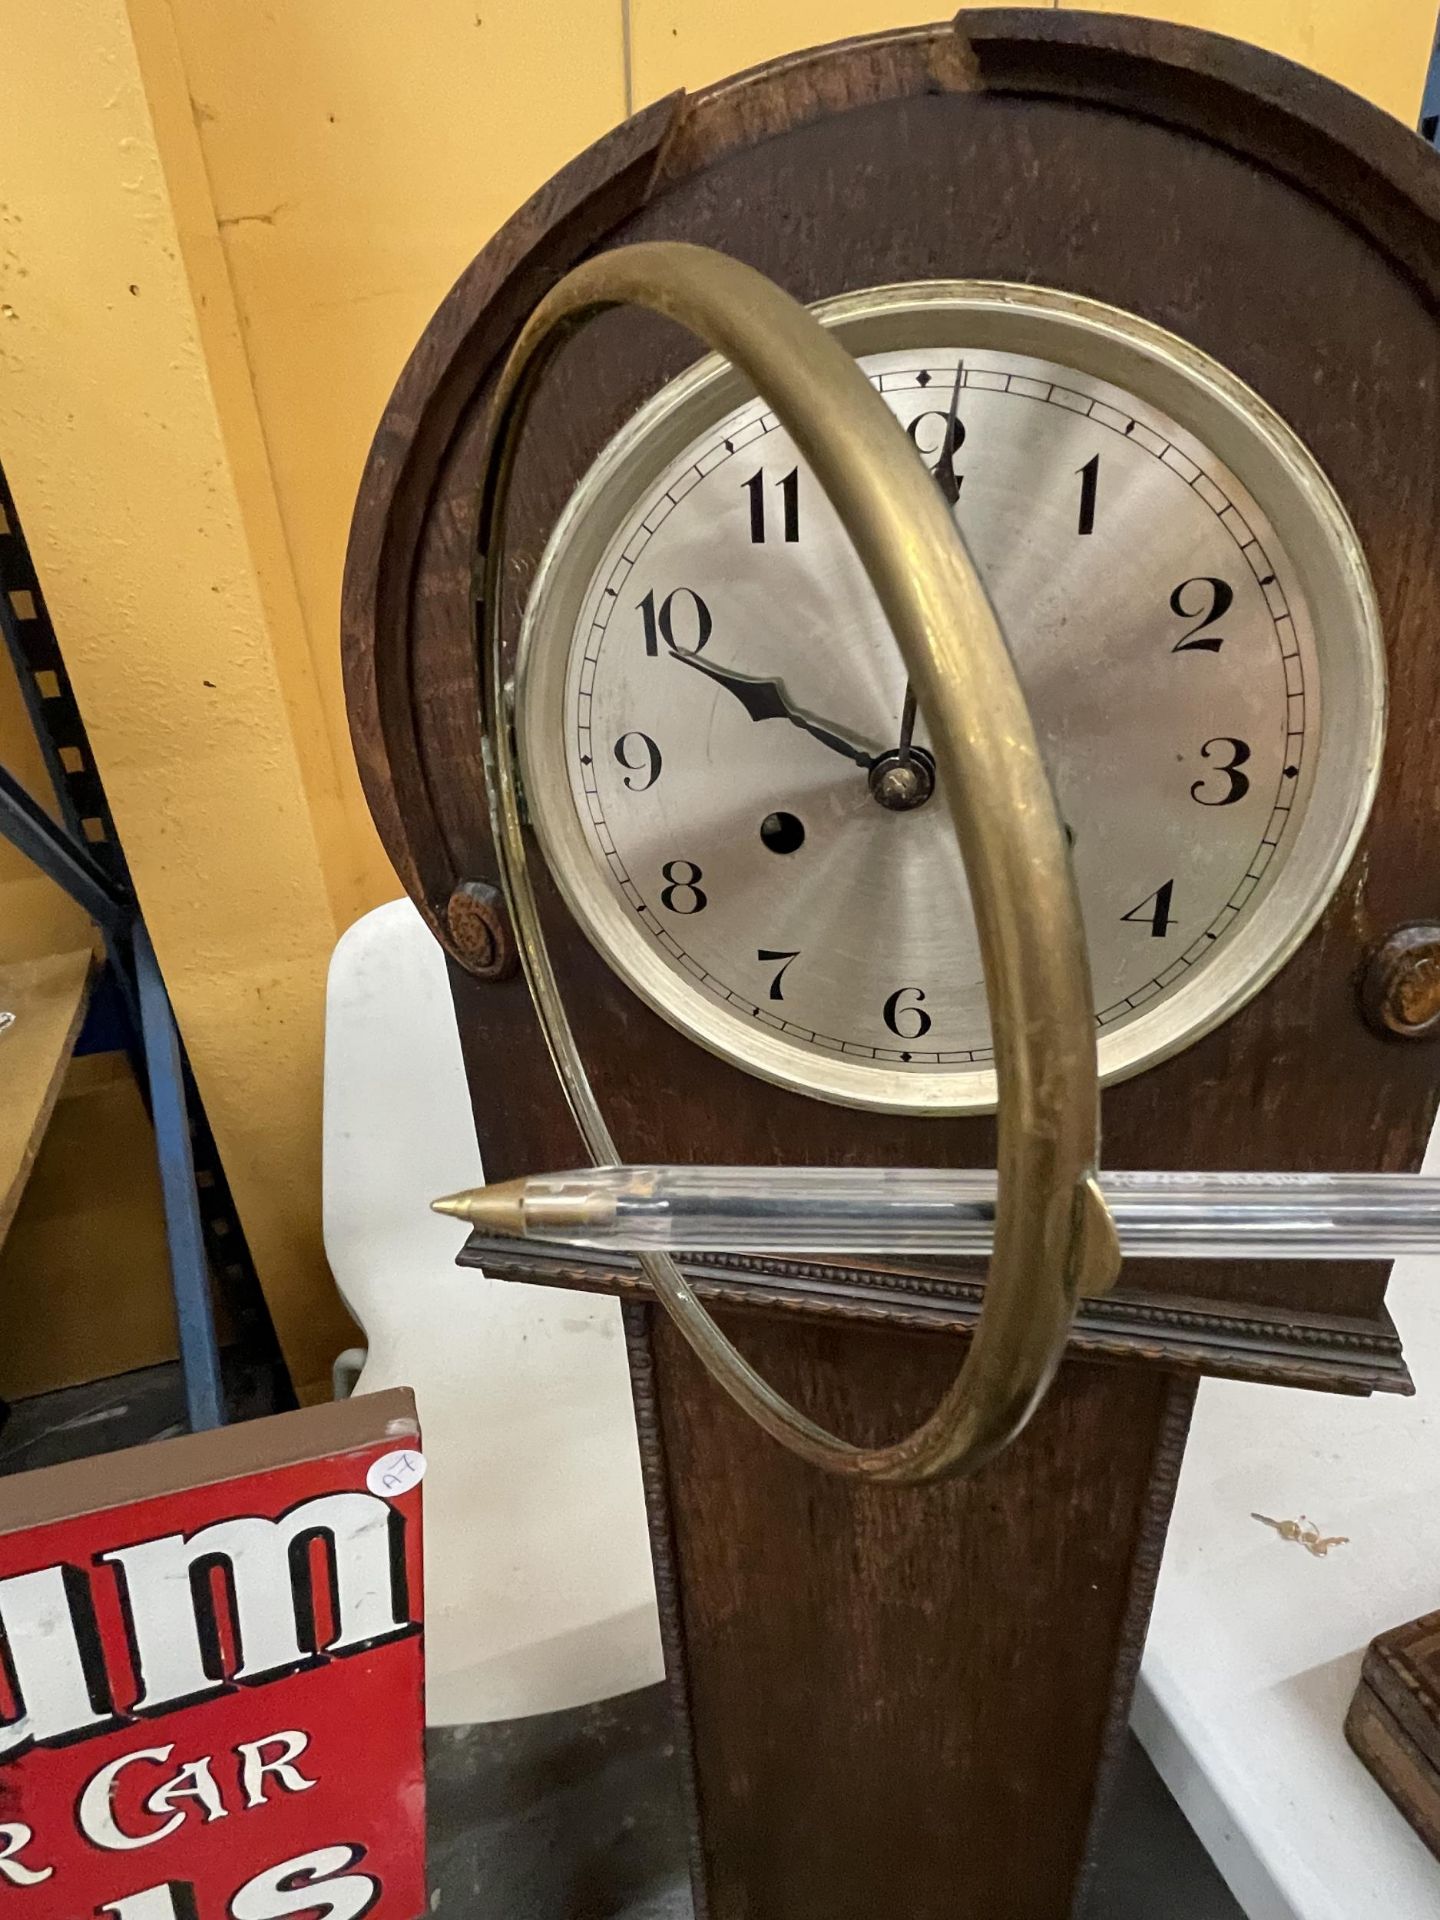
1158 314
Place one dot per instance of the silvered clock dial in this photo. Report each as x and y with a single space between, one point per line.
734 792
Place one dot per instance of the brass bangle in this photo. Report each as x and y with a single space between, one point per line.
1053 1235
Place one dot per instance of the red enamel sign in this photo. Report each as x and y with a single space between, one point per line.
211 1676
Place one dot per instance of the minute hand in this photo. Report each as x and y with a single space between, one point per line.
766 699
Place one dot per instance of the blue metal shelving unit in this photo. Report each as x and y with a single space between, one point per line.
82 855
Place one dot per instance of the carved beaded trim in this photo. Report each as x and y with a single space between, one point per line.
1238 1346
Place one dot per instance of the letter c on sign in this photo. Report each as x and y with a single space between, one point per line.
97 1818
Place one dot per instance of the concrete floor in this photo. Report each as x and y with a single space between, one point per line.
129 1410
575 1816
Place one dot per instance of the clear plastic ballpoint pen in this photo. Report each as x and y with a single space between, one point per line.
1229 1216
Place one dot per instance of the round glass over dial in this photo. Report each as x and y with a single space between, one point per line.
736 797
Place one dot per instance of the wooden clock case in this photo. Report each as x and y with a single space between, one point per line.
905 1703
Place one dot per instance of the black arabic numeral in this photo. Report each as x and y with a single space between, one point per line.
1211 603
947 447
1239 782
687 883
652 639
771 953
790 502
650 761
1089 485
661 626
1159 921
894 1013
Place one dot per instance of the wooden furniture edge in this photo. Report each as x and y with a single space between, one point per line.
1165 1465
1345 1356
448 368
109 1480
1389 1754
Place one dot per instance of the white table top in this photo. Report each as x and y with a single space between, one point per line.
1256 1643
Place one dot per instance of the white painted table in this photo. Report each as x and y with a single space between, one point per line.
1256 1643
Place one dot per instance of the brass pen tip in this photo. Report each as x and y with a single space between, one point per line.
496 1209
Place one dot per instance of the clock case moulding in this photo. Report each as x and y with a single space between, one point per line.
1277 222
910 1702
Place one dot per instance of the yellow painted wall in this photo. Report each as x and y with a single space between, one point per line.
223 223
125 472
357 154
684 43
1380 47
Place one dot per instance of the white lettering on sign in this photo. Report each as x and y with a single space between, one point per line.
51 1650
193 1782
271 1758
57 1676
14 1838
321 1885
254 1768
155 1903
96 1809
271 1598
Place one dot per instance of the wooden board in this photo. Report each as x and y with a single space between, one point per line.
47 998
85 1268
1399 1766
1394 1721
899 1701
1402 1668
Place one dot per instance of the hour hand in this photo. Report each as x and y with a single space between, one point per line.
765 698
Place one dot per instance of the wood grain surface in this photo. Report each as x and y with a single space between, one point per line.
47 998
1269 1344
899 1704
1394 1721
904 1703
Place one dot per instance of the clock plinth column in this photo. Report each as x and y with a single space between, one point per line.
899 1703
